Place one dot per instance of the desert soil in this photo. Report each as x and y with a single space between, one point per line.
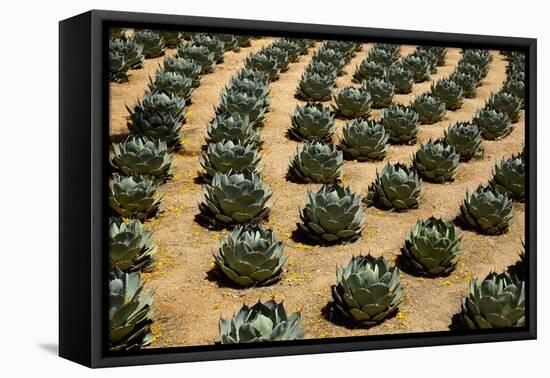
189 302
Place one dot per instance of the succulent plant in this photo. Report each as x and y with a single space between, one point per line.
381 92
364 140
130 50
130 312
381 56
131 247
230 42
118 68
245 105
139 155
449 92
248 74
226 156
479 58
507 103
369 70
235 198
233 127
161 103
243 40
172 38
157 126
430 109
212 43
134 197
263 322
395 187
172 83
322 69
152 42
509 177
314 87
428 56
367 290
280 55
401 78
420 67
332 215
487 210
436 161
467 82
497 302
251 256
334 57
352 102
264 63
493 124
401 124
117 33
184 67
200 54
466 140
291 48
470 69
312 122
347 49
253 88
317 162
440 53
516 87
394 49
432 247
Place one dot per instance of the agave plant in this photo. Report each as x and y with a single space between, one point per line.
130 312
291 48
381 56
131 247
439 53
395 187
264 63
118 68
381 92
322 69
467 82
160 102
152 42
317 162
314 87
364 140
436 161
312 122
506 103
369 70
248 74
401 78
516 87
432 247
280 55
401 124
430 109
157 126
497 302
200 54
230 42
419 66
172 83
172 38
332 215
448 92
130 50
117 33
263 322
479 58
235 198
428 56
253 88
466 140
134 197
139 155
233 127
367 291
251 256
352 102
245 105
493 124
509 177
336 58
394 49
226 156
184 67
243 40
470 69
212 43
487 210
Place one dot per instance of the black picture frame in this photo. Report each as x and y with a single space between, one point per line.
83 114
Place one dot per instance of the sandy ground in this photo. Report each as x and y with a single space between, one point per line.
189 303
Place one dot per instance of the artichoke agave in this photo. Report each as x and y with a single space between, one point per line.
172 83
487 211
157 126
314 87
235 198
369 70
264 63
245 105
312 122
118 68
130 312
141 156
230 42
263 322
428 56
395 187
243 40
381 92
134 197
394 49
430 109
479 58
509 177
213 44
466 139
469 69
251 256
152 42
493 124
322 69
352 102
336 58
381 56
228 156
516 87
232 127
184 67
440 53
317 162
131 51
419 66
432 247
160 103
131 247
364 140
401 124
280 55
172 38
467 82
367 290
449 92
506 103
401 78
498 302
332 215
200 54
436 161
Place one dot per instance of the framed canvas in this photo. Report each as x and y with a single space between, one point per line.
235 188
